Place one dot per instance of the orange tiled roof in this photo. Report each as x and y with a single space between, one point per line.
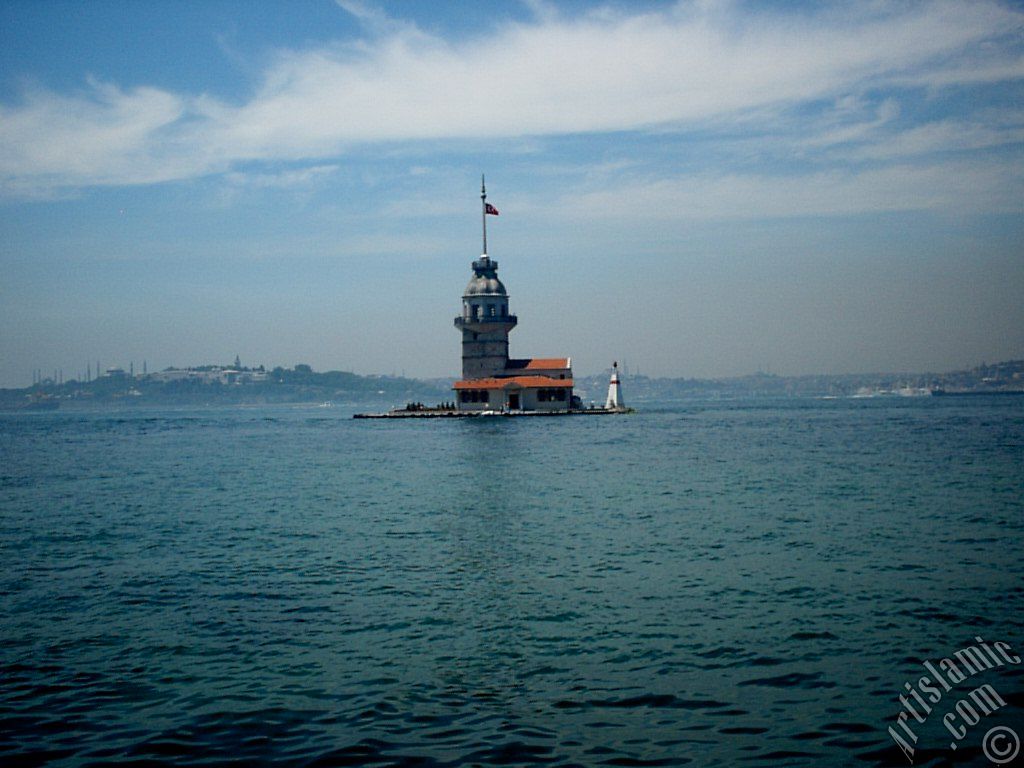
539 363
522 381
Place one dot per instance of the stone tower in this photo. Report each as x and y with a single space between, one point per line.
485 322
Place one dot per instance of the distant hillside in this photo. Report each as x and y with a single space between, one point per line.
996 378
213 384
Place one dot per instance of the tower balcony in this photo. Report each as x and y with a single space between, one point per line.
486 324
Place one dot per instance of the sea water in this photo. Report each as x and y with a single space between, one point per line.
709 583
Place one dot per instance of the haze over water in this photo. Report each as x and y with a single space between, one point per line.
714 583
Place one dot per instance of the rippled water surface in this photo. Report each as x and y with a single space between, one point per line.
703 583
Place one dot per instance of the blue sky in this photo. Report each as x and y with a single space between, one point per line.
701 188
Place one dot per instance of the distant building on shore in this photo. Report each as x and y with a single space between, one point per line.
210 374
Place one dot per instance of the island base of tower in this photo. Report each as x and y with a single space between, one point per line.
432 413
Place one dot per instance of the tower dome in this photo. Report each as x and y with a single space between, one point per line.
485 281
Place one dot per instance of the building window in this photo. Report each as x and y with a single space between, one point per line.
551 395
504 310
493 311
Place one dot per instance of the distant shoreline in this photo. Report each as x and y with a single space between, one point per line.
977 393
236 385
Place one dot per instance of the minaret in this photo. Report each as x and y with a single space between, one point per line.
614 401
485 321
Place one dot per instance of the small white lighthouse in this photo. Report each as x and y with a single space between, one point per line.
614 401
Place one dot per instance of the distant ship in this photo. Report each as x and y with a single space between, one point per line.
898 392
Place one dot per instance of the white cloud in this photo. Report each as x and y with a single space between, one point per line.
605 71
299 177
99 136
963 187
843 130
943 136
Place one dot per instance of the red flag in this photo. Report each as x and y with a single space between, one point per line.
488 208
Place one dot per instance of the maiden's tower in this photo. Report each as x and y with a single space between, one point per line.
493 383
491 380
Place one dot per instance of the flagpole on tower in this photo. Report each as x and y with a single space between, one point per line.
483 209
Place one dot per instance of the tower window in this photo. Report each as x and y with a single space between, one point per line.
493 311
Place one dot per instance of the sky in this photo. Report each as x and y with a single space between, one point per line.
698 188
